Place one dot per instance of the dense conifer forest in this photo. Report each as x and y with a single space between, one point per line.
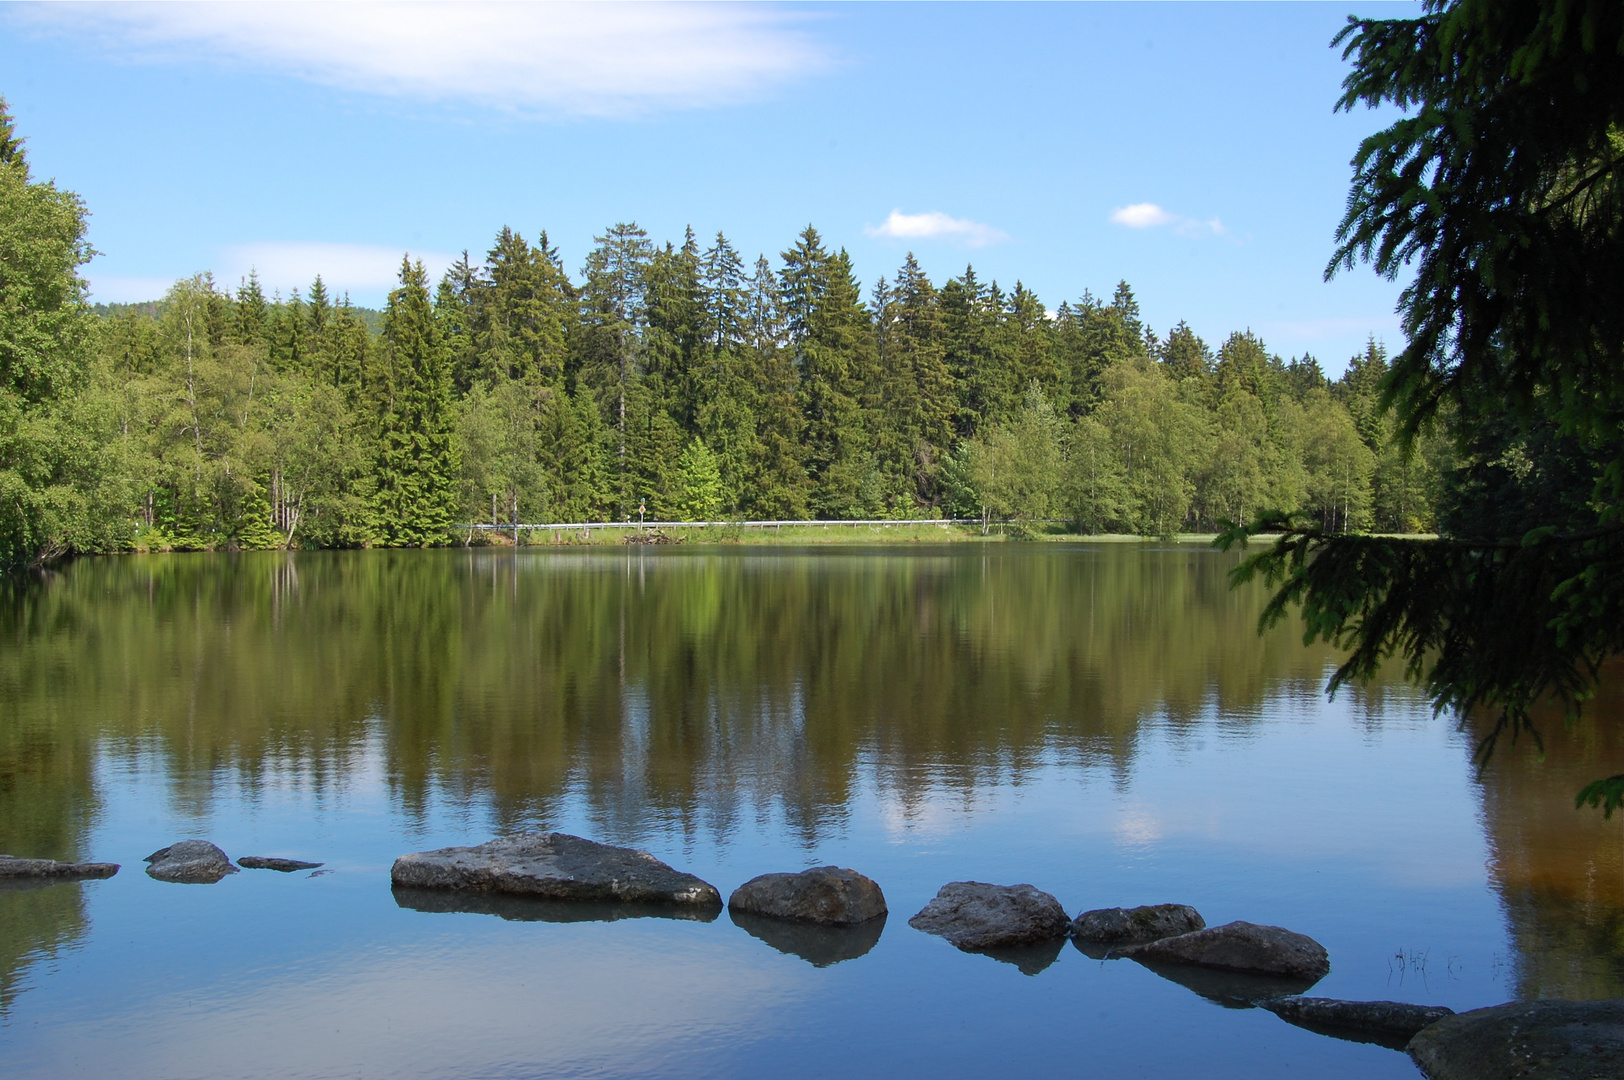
676 378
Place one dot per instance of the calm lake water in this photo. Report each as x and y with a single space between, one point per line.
1100 721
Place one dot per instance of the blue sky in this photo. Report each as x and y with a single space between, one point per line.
1187 148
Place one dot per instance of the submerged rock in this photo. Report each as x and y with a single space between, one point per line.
264 862
819 944
189 862
1241 946
1388 1023
555 866
50 869
975 915
1529 1040
1136 926
826 895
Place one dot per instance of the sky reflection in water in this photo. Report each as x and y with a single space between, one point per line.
1099 721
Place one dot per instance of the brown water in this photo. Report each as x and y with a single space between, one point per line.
1099 720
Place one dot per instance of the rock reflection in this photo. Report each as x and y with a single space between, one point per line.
1231 989
820 946
536 909
1029 959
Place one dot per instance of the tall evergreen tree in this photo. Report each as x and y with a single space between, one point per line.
614 313
415 502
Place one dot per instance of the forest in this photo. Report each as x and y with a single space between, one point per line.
674 379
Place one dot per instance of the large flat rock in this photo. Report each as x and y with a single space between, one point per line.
51 870
1526 1040
827 895
555 866
1241 946
189 862
975 915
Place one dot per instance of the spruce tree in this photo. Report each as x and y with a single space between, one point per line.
415 501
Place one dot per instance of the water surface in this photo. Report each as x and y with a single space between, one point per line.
1101 721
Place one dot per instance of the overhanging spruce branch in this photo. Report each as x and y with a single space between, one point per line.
1479 624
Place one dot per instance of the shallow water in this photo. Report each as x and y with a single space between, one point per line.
1100 721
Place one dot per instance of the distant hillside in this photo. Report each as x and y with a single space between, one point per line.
151 309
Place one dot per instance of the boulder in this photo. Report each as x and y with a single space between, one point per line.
1241 946
50 869
975 915
819 944
554 866
826 895
1136 926
285 866
1388 1023
1529 1040
189 862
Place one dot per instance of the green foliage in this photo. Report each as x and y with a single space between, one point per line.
1502 186
507 393
415 501
698 495
1015 468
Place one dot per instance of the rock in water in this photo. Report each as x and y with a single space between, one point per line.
556 866
826 895
1529 1040
189 862
1241 946
286 866
1390 1023
1136 926
13 867
975 915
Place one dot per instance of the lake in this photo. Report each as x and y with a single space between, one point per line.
1101 721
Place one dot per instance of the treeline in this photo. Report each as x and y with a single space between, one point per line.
676 380
669 378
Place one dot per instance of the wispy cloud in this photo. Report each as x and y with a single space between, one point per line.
561 58
116 289
933 225
1147 215
364 269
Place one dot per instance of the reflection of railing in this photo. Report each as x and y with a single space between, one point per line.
757 524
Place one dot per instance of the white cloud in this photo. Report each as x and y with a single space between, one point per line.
934 224
114 289
1147 215
1142 215
363 269
562 58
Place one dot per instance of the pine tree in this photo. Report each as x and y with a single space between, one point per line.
1184 355
698 494
415 502
833 344
614 314
778 487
